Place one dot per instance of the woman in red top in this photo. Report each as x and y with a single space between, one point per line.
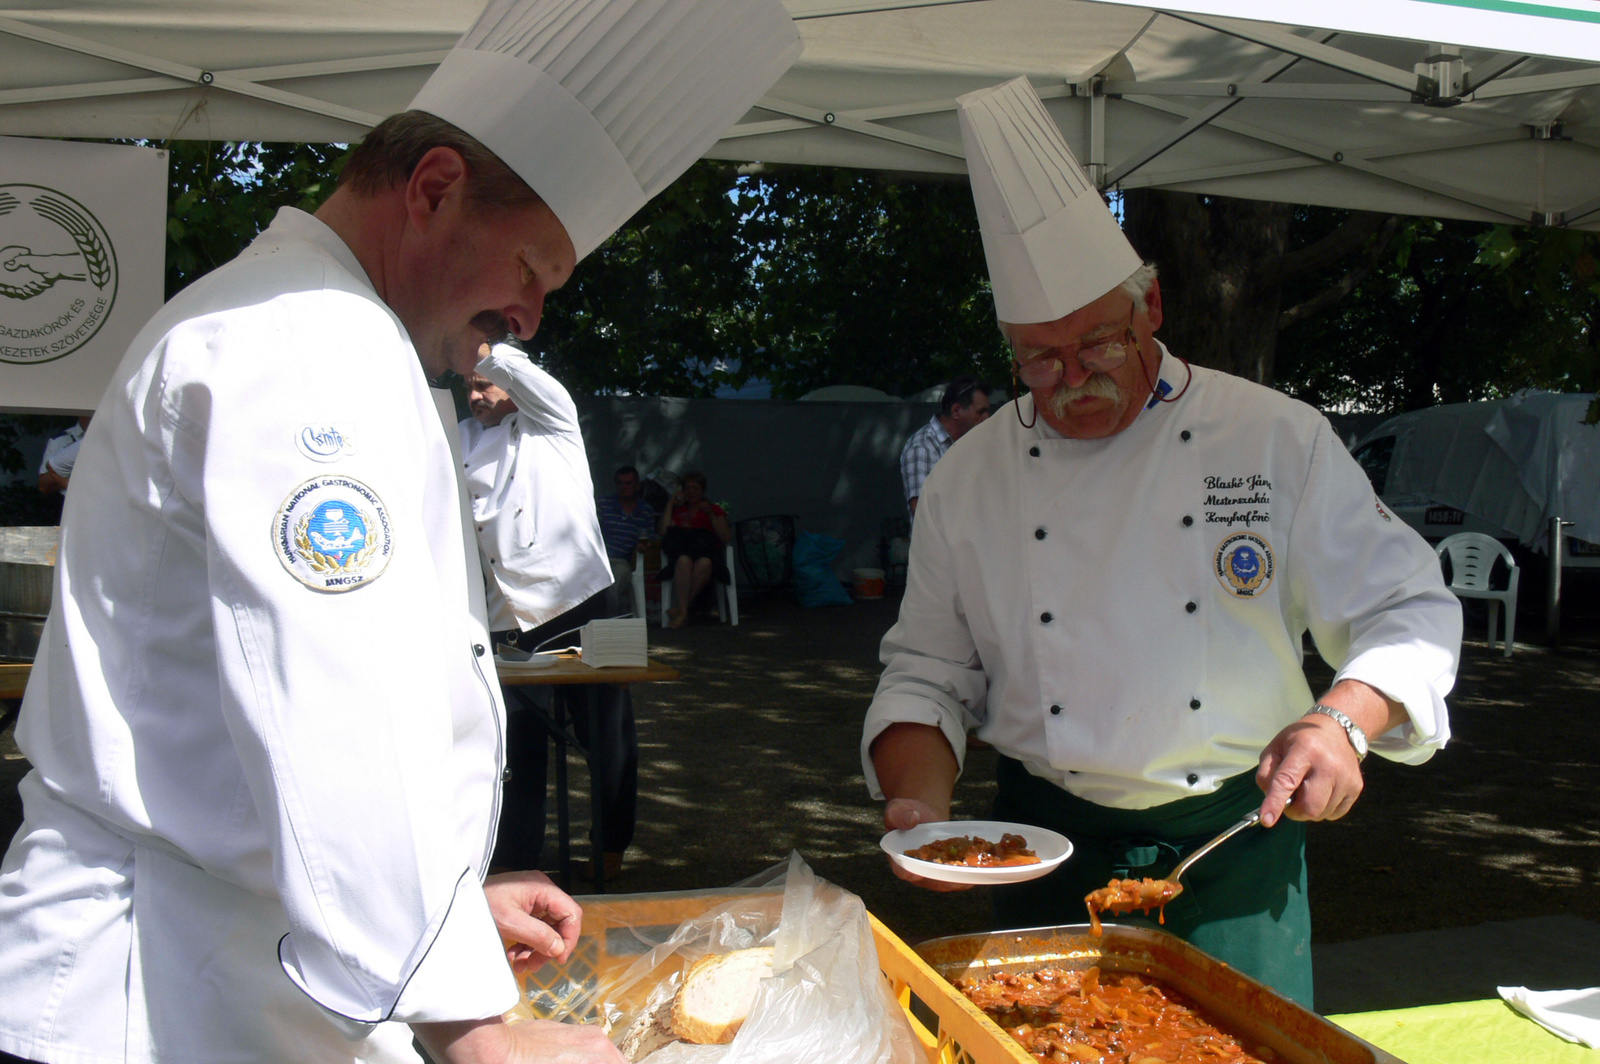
694 535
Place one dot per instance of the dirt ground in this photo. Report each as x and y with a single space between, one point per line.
753 753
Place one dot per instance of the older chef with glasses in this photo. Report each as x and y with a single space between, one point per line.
1110 583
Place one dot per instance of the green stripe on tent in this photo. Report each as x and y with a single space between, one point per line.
1515 7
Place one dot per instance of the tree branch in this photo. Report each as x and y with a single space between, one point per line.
1356 232
1386 226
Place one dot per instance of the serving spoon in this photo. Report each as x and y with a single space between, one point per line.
1251 819
1126 895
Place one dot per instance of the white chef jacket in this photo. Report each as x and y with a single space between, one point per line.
61 451
260 810
1124 615
532 499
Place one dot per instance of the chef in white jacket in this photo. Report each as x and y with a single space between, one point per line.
1110 582
263 722
547 572
532 497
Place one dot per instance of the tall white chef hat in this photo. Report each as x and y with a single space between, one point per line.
600 104
1051 242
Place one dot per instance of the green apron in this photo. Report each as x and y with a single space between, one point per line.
1245 904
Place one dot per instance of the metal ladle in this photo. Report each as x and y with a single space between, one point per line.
1250 820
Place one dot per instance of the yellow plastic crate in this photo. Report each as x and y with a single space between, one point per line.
960 1034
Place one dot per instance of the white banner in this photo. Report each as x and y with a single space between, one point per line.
1563 29
82 262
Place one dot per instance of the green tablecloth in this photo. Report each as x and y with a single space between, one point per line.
1468 1032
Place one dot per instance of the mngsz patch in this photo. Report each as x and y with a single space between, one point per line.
332 534
1244 564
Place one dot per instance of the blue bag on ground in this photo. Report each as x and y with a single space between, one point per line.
814 581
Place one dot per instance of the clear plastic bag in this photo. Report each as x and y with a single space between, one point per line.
827 1000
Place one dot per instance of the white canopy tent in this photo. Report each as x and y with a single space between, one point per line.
1482 109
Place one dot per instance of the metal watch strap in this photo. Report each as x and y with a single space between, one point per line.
1358 738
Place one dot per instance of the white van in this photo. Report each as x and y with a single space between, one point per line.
1503 468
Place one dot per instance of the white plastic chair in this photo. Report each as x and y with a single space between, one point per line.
1472 556
727 594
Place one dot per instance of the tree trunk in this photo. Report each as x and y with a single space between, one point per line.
1220 289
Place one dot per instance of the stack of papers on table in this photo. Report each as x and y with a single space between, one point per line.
614 642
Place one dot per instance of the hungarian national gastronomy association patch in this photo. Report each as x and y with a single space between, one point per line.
332 534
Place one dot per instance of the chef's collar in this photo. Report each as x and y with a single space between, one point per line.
308 227
1172 372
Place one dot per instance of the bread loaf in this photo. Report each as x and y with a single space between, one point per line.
717 993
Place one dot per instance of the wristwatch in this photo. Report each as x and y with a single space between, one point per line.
1358 738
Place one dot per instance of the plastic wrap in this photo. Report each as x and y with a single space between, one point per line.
827 1000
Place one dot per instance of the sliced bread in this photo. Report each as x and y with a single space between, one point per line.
717 993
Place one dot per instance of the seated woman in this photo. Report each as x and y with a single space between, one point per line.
694 537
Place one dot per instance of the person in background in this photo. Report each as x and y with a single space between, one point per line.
546 572
59 455
694 535
625 519
1112 579
527 476
965 404
266 744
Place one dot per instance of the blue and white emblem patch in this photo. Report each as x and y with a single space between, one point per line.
332 534
1244 564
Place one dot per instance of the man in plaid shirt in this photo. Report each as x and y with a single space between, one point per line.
964 403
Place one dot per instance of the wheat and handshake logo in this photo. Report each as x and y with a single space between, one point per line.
25 272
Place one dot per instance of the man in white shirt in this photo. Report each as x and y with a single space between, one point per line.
265 734
1111 579
547 572
60 453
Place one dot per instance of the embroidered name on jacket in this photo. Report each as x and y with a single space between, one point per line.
1238 500
332 534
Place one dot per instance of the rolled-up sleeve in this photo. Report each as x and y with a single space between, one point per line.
932 672
1376 600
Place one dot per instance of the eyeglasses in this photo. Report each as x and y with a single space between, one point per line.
1102 356
1041 373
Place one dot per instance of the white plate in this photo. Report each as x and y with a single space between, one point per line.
538 661
1051 848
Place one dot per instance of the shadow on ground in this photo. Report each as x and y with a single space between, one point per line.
754 753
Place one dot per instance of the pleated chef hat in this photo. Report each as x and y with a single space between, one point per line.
1051 242
600 104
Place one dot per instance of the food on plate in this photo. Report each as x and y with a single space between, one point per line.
1104 1017
1126 895
717 993
977 853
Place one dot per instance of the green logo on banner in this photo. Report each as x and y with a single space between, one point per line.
58 274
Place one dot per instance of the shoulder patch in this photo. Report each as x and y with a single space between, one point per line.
332 534
327 442
1244 564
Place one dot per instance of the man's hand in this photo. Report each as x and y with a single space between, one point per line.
493 1041
1310 771
536 918
917 771
902 814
